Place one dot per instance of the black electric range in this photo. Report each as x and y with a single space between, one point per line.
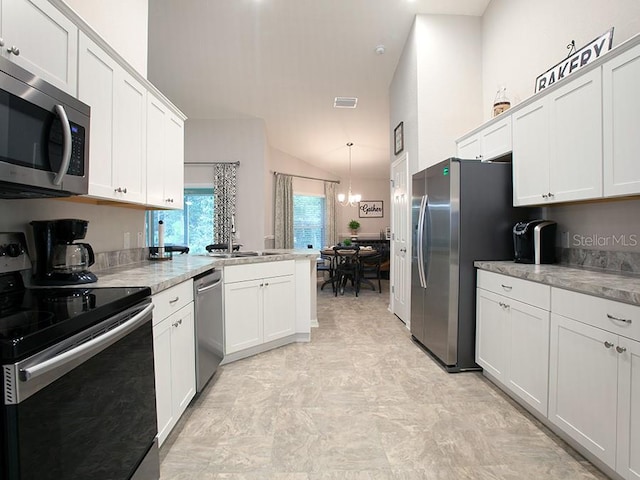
32 319
78 381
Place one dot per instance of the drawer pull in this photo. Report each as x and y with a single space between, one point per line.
625 320
621 349
608 344
508 288
174 300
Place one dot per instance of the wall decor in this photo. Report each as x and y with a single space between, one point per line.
370 209
576 60
398 138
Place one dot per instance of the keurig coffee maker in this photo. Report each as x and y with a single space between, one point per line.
534 241
60 261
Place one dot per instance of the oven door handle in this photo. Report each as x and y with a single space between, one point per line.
87 349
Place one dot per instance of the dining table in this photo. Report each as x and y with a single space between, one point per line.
346 252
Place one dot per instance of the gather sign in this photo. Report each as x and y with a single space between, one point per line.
370 208
574 62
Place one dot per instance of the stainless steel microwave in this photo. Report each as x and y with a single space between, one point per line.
44 138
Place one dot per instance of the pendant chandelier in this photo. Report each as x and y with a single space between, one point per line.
350 199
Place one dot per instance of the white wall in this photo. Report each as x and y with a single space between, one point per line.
107 224
242 140
403 100
370 190
522 39
122 23
436 87
449 69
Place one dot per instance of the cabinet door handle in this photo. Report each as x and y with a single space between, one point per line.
508 288
621 349
545 196
174 300
266 284
15 50
625 320
608 344
551 195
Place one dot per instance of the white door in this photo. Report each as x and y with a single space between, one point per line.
491 338
528 354
628 462
621 104
583 385
400 231
575 139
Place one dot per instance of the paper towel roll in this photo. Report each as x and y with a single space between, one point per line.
161 238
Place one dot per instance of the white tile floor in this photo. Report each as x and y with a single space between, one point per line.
361 401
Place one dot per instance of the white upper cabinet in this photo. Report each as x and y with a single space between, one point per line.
39 38
531 154
490 142
557 144
117 168
575 126
165 155
621 122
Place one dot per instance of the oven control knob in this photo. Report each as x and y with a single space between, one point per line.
13 250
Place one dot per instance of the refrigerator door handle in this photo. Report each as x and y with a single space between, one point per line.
421 217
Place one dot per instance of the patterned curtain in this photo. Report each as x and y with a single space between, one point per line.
224 200
284 211
330 236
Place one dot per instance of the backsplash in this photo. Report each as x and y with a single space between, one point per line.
119 258
612 261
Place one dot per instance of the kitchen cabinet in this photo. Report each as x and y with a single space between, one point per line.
595 355
165 155
39 38
621 142
512 335
174 354
492 141
118 126
259 304
557 144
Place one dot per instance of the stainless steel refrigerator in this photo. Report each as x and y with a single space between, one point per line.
461 211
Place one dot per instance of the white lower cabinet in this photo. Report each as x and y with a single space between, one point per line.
259 304
512 335
174 355
594 393
583 385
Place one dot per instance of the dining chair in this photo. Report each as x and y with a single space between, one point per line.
326 263
347 268
370 269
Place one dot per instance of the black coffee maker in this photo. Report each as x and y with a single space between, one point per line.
60 261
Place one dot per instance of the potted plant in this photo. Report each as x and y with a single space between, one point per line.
346 242
354 225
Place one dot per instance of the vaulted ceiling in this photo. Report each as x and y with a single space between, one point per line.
285 61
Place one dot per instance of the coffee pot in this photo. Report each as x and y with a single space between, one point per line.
60 261
72 258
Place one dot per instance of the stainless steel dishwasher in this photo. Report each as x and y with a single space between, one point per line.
209 325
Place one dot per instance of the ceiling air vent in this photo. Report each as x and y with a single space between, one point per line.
345 102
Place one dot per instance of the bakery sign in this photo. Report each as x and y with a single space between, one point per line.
575 61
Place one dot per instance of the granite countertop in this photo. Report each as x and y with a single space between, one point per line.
615 286
160 275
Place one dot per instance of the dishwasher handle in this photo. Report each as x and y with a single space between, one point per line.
208 287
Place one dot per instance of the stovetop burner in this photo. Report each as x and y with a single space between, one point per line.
31 319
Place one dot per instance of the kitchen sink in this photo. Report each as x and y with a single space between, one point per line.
241 254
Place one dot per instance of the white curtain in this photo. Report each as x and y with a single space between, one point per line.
330 229
284 211
224 200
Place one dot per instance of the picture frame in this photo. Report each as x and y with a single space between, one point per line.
371 209
398 138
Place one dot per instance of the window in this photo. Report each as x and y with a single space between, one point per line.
308 221
192 226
